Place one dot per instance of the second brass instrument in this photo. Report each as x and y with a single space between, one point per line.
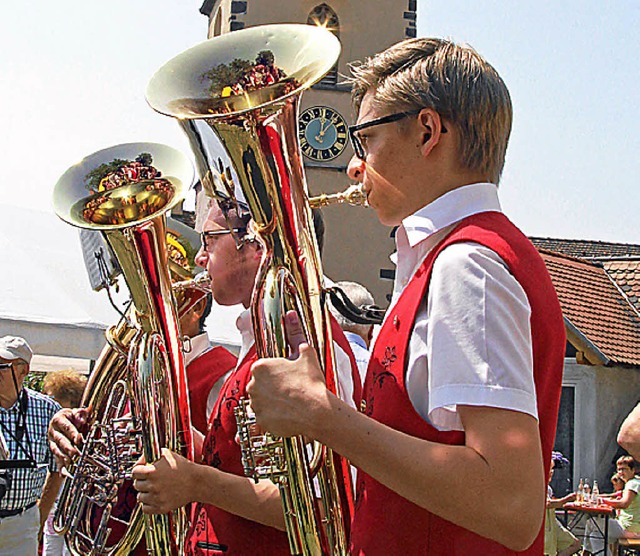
138 391
236 96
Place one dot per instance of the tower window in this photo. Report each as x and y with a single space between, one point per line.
324 16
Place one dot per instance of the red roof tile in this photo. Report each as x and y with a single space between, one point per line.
594 305
626 275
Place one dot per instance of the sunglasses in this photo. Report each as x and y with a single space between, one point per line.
356 142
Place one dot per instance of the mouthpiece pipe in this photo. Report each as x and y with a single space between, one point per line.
354 195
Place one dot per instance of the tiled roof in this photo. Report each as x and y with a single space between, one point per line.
587 249
593 304
626 274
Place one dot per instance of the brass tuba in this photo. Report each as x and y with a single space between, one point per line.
137 395
236 97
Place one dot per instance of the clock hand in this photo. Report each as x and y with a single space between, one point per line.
323 128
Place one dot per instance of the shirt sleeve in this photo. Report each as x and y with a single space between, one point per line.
478 336
633 485
344 375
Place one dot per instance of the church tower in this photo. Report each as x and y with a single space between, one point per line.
357 246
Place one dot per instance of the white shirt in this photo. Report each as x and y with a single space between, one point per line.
471 342
360 352
343 363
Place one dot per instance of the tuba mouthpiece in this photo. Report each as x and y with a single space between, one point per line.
354 195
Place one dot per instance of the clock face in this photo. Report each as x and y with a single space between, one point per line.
323 133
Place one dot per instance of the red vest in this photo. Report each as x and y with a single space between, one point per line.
386 523
202 373
216 531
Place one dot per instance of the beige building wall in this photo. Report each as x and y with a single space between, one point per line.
357 246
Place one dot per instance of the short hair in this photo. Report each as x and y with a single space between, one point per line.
628 461
453 80
66 384
319 228
360 297
207 311
615 478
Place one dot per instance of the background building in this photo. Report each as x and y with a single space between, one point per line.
357 246
598 284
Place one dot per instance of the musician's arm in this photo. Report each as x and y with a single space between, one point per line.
241 496
464 484
174 481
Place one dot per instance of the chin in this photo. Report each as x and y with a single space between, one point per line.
388 220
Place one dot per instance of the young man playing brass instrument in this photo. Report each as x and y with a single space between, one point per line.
464 380
233 515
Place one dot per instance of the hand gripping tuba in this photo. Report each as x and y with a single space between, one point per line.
138 392
236 96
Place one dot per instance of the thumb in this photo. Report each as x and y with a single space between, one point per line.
295 333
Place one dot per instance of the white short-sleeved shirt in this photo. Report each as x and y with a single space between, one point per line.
471 342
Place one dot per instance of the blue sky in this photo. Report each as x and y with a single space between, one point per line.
74 75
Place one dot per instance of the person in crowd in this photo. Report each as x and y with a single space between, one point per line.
558 540
627 522
359 335
465 373
24 418
629 434
617 482
66 387
232 513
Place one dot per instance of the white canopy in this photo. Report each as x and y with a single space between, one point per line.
45 295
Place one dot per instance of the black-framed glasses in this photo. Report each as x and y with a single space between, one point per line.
5 366
236 232
356 142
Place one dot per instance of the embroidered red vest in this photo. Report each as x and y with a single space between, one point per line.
202 373
216 531
386 523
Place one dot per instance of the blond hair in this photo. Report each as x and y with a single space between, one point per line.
453 80
65 385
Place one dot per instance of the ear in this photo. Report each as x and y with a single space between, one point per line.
430 128
198 308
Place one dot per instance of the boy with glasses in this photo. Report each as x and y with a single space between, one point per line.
464 379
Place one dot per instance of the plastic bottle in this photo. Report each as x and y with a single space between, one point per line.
580 493
595 493
587 492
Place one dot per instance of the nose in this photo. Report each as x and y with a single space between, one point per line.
355 169
201 257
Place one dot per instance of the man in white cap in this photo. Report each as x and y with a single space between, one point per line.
24 418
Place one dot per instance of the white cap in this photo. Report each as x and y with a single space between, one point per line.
14 347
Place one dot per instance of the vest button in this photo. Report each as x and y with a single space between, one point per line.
396 322
363 406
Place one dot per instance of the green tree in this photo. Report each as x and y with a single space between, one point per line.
94 177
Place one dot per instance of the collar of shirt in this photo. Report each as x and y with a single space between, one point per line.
354 338
245 327
422 231
199 344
